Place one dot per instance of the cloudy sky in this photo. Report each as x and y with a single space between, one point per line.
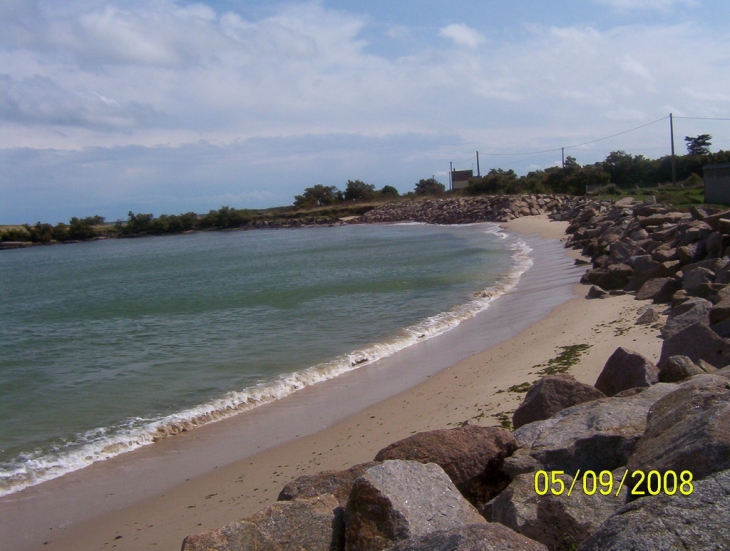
167 106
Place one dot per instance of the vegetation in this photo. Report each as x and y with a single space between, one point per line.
619 174
564 360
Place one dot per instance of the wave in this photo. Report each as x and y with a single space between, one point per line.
103 443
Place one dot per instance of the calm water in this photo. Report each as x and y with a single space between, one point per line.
106 346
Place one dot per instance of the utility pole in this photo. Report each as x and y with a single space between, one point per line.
451 176
479 174
674 163
562 151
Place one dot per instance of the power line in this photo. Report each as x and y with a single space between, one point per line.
618 134
703 118
576 145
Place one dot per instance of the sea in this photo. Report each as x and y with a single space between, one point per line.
111 345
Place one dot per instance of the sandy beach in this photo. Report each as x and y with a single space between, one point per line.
226 478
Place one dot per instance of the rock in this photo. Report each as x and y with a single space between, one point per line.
616 277
471 456
650 315
665 269
237 536
337 483
658 289
691 311
311 524
626 369
559 522
477 537
597 435
697 342
624 202
643 263
688 429
400 500
679 368
688 253
550 395
697 277
596 292
720 312
664 523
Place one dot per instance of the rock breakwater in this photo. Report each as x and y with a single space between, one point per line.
476 488
466 210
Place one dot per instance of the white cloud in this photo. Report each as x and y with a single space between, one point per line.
462 35
150 78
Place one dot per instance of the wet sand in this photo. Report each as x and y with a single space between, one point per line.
153 497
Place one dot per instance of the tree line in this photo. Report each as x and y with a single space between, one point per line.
320 202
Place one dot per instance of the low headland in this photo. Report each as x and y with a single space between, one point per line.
534 442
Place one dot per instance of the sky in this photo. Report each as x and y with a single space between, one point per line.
168 106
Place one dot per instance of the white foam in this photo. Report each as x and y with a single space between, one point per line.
103 443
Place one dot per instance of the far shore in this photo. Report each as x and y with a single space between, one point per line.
230 480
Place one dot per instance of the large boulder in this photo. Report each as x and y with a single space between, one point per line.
308 524
597 435
616 276
691 311
665 523
658 289
697 342
472 456
679 368
550 395
560 522
400 500
337 483
626 369
688 429
477 537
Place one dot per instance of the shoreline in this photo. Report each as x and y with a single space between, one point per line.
475 387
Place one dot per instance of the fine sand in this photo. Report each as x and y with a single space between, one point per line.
237 484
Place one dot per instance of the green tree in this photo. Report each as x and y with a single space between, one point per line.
494 182
137 223
430 187
389 192
318 196
357 190
698 145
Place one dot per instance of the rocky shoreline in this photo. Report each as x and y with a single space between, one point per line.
476 488
456 210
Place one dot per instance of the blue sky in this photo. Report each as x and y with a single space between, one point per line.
167 106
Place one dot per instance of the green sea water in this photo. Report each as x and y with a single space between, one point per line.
106 346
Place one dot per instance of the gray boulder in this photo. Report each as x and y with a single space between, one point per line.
679 368
597 435
688 429
697 277
720 311
650 315
559 522
471 456
596 292
665 523
697 342
626 369
309 524
550 395
477 537
337 483
658 289
400 500
691 311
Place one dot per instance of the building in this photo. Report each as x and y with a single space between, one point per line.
460 178
717 183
